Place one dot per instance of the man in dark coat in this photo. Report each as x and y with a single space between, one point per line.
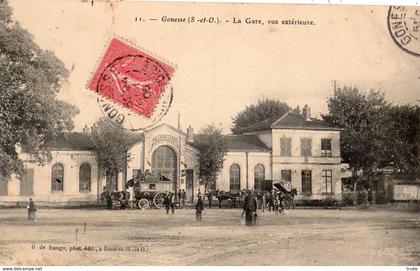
210 198
172 202
31 209
167 201
199 209
250 208
184 198
109 200
179 198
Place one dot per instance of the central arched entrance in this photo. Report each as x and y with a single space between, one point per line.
164 161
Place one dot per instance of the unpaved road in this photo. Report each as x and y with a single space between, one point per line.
134 237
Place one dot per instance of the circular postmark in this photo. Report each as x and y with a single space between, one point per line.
404 28
136 91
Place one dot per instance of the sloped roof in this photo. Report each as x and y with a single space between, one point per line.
81 141
260 125
295 120
72 140
245 143
290 120
235 142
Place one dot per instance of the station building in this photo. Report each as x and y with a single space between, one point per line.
295 150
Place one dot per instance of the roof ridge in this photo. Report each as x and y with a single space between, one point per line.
282 117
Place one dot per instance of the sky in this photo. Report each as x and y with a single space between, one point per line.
220 69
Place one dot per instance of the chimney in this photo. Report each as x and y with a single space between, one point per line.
190 134
306 112
86 129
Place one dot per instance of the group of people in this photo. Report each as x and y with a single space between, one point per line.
182 198
170 200
271 201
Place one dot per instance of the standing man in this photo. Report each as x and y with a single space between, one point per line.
184 197
179 198
369 196
250 208
167 201
31 209
199 209
172 202
210 198
263 201
109 200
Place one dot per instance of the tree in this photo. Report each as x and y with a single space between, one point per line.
111 144
212 146
30 113
263 110
375 131
402 141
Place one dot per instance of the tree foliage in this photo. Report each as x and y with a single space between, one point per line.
403 139
30 113
375 131
263 110
212 146
110 146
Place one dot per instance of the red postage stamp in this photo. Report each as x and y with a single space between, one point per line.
131 77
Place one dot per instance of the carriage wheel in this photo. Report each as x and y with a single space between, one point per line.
158 199
143 204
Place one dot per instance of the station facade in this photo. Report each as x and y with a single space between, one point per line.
295 150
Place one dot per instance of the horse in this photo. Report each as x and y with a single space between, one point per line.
229 195
122 197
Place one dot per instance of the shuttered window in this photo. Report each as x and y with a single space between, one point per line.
285 146
306 146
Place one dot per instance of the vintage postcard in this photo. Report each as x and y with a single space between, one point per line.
208 134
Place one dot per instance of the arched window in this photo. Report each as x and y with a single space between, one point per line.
235 177
165 162
259 174
84 177
57 177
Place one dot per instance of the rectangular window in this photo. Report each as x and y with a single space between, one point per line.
3 183
27 182
152 186
326 147
285 146
286 175
327 181
305 146
286 178
306 182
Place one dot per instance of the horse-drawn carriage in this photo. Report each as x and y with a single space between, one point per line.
286 196
149 190
276 195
